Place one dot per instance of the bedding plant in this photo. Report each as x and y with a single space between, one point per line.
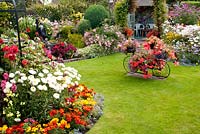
45 97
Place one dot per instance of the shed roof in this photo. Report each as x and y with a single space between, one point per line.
145 3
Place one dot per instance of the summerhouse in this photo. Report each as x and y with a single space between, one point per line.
141 20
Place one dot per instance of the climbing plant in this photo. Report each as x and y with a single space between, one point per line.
160 13
120 12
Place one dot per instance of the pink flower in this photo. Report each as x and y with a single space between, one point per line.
3 84
14 88
146 46
5 76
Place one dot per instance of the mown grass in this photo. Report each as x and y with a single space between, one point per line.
140 106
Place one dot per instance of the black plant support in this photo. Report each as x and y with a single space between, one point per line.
15 11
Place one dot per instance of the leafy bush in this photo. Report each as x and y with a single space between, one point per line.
185 40
96 15
185 14
76 40
65 31
43 98
83 26
92 51
5 16
52 12
120 12
107 36
62 50
28 25
193 3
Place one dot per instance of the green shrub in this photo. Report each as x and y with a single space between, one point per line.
96 15
5 16
193 3
27 25
83 26
65 31
76 40
52 12
120 13
92 51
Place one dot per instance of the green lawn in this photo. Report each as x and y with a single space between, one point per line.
139 106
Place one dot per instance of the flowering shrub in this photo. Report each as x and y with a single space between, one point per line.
33 85
27 25
38 96
129 46
92 51
147 54
8 55
185 40
185 14
77 112
107 36
64 51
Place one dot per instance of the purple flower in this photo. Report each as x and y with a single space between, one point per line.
13 88
5 76
3 84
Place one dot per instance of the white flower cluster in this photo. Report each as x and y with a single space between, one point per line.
56 79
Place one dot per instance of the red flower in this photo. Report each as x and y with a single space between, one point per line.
10 56
146 46
28 30
61 111
6 48
128 32
1 41
68 117
24 62
53 112
36 33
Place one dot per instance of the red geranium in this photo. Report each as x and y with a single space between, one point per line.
24 62
28 30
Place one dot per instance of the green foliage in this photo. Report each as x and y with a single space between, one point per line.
76 40
26 24
193 3
160 13
65 31
120 12
92 51
5 16
83 26
96 15
52 12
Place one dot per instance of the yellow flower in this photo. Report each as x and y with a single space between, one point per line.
28 129
56 120
63 122
4 128
34 129
67 125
